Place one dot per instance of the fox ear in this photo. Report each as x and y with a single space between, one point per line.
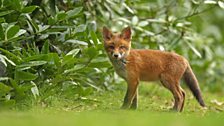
126 34
107 35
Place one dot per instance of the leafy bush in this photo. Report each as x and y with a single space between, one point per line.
54 52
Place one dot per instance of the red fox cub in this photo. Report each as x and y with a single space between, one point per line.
135 65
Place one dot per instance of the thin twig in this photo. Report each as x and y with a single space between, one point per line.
195 13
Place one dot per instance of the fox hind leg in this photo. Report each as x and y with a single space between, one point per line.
176 90
134 104
183 93
179 99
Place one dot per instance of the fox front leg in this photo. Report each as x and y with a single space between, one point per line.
130 98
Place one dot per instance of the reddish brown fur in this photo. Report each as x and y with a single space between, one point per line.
149 65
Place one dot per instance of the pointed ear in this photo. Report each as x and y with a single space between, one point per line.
107 34
126 34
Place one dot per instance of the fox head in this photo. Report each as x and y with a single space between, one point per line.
117 45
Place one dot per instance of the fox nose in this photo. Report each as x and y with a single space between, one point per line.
116 55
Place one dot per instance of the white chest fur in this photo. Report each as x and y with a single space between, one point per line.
120 68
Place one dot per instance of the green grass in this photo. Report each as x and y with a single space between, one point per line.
102 108
109 118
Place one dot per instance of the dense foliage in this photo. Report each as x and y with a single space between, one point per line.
52 47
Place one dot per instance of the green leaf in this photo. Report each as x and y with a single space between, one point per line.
2 20
2 35
92 52
99 65
3 63
32 25
34 90
73 41
143 23
221 4
14 83
32 63
61 16
45 48
55 58
210 2
43 27
174 43
99 59
75 68
159 20
17 58
29 9
4 78
134 20
80 28
68 60
37 57
51 58
8 60
149 33
73 52
25 76
3 13
124 20
51 21
4 89
52 6
21 32
11 31
128 8
92 26
94 37
194 49
74 12
15 4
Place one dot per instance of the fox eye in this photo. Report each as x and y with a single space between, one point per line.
111 47
123 47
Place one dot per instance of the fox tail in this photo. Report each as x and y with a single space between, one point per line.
192 83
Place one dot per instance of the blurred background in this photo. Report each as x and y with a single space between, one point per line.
50 47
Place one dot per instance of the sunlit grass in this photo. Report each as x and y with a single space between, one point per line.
110 118
103 109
